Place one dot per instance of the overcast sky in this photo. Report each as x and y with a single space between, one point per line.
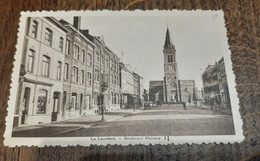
198 36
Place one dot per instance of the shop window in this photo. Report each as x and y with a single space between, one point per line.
42 101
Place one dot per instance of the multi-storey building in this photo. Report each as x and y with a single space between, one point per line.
106 70
187 91
127 85
215 85
223 85
40 88
62 69
78 71
138 89
115 100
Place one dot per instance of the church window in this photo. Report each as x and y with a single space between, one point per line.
170 60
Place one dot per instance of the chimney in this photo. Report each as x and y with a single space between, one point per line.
77 22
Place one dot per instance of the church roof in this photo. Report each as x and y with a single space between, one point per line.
168 42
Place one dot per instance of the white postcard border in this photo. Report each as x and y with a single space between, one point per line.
122 140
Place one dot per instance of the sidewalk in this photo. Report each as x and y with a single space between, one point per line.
60 127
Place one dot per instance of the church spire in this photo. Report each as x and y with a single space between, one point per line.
168 42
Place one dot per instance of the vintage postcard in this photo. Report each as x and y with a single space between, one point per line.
122 77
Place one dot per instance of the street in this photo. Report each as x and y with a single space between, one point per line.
164 120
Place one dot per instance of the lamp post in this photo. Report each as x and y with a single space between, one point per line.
103 88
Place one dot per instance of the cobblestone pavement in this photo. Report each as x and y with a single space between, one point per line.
172 121
165 120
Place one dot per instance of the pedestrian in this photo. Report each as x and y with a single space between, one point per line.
184 106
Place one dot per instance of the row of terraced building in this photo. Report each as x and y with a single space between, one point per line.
62 67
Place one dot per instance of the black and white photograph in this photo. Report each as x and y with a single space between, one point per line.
122 77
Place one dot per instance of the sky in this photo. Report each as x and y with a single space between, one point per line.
199 38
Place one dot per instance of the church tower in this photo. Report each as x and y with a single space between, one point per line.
171 79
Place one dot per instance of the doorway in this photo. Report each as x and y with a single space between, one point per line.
25 105
56 105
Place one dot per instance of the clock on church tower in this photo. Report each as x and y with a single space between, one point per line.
170 71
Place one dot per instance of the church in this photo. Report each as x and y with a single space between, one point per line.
171 89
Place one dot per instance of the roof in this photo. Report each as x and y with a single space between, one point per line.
168 42
57 23
66 24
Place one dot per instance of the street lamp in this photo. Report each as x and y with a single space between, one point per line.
103 88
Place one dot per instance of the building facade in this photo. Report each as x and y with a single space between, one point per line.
156 91
170 71
40 88
62 69
115 99
78 71
187 91
127 85
215 85
171 89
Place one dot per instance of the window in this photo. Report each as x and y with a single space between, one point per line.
111 79
61 44
102 59
82 76
59 70
66 74
97 56
107 62
105 78
45 66
114 66
111 64
42 101
75 74
170 60
67 47
34 28
30 61
83 56
48 36
89 79
101 77
76 52
112 97
89 60
96 75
